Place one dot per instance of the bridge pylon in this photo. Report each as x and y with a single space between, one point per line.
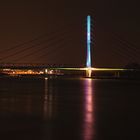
88 60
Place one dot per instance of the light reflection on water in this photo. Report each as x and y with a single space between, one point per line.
64 109
88 124
48 101
21 97
53 101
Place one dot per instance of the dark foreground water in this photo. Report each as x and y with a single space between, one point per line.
69 109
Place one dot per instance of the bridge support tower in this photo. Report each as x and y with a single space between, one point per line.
88 60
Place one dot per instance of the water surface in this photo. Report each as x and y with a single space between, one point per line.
69 109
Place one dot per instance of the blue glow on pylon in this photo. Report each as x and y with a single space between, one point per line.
88 63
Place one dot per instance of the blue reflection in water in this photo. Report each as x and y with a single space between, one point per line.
88 124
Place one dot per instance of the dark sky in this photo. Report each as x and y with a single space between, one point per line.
54 32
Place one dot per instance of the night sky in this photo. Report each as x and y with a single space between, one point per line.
54 32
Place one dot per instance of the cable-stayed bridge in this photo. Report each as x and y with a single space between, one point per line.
46 45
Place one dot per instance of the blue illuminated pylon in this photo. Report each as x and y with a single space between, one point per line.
88 62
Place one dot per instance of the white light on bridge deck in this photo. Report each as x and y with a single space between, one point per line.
88 72
46 71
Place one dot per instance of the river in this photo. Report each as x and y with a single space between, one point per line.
69 109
